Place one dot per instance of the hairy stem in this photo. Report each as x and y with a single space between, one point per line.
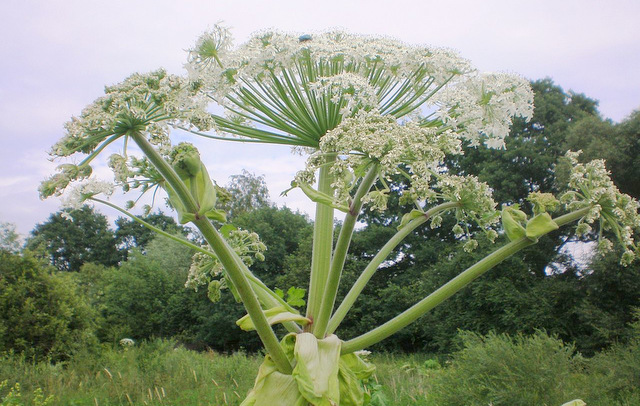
340 252
380 257
225 255
322 244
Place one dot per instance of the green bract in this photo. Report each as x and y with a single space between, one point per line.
321 376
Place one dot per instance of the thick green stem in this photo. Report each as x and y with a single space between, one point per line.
340 252
322 243
225 254
450 288
380 257
444 292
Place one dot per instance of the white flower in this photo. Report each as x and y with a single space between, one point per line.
75 198
591 187
482 106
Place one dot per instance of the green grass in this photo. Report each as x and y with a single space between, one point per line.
153 373
494 369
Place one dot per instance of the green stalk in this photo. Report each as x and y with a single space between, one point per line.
380 257
340 252
322 243
447 290
225 255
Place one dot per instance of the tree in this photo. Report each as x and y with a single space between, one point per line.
42 314
246 192
130 234
67 244
9 238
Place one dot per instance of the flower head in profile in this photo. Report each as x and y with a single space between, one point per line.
591 187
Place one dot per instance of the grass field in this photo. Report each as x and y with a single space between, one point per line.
496 370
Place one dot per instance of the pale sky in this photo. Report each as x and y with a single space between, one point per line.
57 56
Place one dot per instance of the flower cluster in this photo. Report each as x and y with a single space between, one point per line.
475 206
303 86
58 182
207 269
591 187
148 104
482 106
75 198
370 138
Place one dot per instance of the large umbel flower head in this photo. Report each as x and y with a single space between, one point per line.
294 89
148 104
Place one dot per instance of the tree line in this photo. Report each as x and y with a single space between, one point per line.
80 283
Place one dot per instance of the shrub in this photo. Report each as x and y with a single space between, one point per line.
500 370
41 314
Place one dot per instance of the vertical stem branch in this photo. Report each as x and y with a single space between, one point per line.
322 243
372 267
340 252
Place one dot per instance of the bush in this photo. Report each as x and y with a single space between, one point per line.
500 370
41 314
614 375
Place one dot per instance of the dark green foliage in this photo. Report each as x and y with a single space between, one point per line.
130 234
70 244
616 373
287 237
42 315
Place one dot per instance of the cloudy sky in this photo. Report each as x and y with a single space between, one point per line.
56 57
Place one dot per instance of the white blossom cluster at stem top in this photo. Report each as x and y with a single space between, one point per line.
271 52
370 138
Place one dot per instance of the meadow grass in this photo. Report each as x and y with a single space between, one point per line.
494 369
158 372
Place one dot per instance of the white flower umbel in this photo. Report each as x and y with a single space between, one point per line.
481 107
77 195
149 104
294 89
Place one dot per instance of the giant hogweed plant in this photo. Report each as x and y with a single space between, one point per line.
363 110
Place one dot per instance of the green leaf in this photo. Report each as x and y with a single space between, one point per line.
226 230
576 402
213 291
511 226
352 370
540 225
295 296
217 215
316 370
274 315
